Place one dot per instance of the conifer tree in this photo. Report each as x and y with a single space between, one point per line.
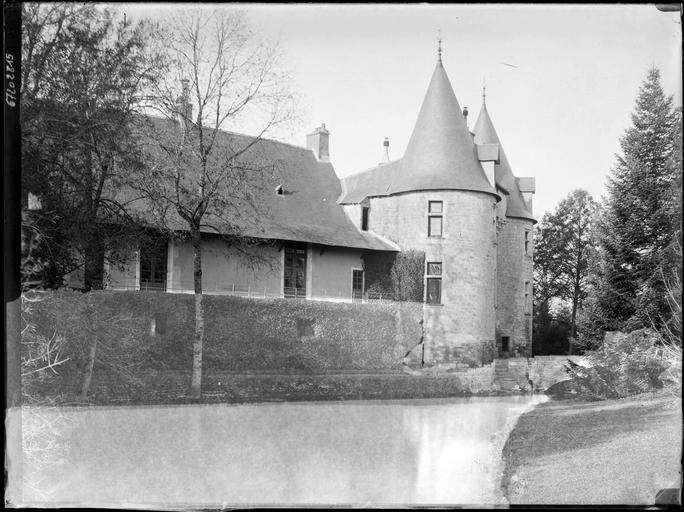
637 227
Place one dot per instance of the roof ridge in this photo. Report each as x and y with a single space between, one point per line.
382 164
230 132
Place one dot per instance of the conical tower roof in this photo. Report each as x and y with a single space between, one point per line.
441 153
486 134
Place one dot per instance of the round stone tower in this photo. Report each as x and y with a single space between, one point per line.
440 200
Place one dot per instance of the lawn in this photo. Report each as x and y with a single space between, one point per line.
607 452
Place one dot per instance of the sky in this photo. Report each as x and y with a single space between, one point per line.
561 80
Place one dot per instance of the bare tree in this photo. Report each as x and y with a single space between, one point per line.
201 178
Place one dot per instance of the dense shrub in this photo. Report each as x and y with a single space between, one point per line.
625 364
407 276
551 338
138 332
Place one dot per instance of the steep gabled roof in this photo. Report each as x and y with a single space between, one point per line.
306 211
486 134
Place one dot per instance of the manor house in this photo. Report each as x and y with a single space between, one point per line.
452 196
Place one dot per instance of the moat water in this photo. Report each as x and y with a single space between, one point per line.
442 451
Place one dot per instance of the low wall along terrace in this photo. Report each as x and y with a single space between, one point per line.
143 345
152 331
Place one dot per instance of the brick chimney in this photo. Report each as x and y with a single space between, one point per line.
385 151
317 141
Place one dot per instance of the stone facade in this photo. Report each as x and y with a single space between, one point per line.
480 305
462 327
514 285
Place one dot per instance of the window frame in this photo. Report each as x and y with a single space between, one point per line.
294 252
435 277
434 214
365 216
152 262
363 283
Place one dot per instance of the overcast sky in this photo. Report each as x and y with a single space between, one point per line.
363 70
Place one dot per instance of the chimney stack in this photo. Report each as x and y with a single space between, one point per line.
318 142
385 151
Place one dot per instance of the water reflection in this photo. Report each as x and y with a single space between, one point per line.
381 452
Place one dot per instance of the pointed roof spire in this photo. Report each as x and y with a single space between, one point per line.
439 45
486 134
441 153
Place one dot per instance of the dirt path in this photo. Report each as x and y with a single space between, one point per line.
610 452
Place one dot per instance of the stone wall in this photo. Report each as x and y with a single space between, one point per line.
467 252
517 372
514 269
547 370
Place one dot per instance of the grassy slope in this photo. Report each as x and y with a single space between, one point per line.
614 451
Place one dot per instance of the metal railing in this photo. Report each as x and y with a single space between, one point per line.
246 290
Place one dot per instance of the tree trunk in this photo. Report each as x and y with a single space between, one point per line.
198 341
89 368
573 319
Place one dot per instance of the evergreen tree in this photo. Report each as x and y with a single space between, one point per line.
637 227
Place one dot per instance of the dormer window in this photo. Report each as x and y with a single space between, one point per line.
365 210
279 190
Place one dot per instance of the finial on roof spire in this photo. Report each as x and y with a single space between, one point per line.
484 91
439 45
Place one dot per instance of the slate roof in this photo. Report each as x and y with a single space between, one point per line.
371 182
440 155
503 174
306 212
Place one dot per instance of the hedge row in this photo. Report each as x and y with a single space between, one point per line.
141 331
